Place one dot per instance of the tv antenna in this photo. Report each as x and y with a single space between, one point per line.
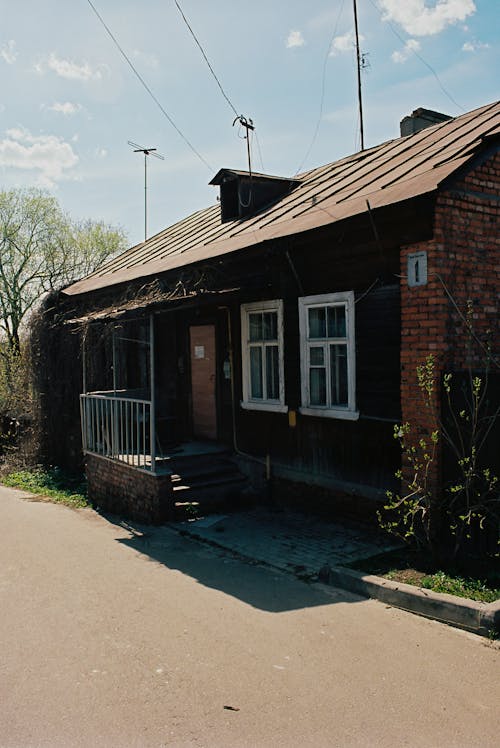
147 152
360 63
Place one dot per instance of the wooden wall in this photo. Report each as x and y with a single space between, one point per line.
356 255
360 452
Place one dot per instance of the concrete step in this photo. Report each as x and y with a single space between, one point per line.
202 473
205 479
205 483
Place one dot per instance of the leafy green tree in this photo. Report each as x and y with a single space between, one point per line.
41 249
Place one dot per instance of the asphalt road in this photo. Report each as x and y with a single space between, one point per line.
111 639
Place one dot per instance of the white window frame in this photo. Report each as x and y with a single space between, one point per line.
345 299
249 403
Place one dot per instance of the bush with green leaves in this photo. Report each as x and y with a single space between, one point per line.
446 520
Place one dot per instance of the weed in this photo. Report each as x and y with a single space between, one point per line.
406 565
53 483
474 589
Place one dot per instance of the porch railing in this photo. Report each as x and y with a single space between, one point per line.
120 428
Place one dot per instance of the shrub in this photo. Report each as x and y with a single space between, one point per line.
447 520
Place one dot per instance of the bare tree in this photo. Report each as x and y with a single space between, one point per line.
41 250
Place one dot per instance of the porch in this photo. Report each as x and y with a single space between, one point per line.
156 412
154 380
120 427
195 477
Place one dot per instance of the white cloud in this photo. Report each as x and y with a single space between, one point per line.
474 46
8 52
64 107
48 155
412 45
295 39
101 152
420 18
68 69
147 59
344 43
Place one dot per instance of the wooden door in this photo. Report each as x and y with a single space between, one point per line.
202 346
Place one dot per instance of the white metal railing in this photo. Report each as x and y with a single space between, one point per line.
118 427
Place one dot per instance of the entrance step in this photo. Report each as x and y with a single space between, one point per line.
206 483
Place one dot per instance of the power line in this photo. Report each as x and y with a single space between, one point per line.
145 85
424 62
206 59
323 80
260 152
244 121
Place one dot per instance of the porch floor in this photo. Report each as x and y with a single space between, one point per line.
195 448
163 462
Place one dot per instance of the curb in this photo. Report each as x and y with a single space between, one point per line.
477 617
471 615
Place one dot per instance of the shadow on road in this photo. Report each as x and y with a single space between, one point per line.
251 582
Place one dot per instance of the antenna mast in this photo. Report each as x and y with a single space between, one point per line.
359 62
249 127
147 152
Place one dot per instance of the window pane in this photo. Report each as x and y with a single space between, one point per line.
272 373
338 374
270 326
317 386
255 326
256 372
317 355
317 322
336 322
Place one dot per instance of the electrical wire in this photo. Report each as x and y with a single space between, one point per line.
145 85
323 80
260 152
424 62
206 59
239 117
467 322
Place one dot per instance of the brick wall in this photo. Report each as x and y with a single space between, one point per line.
463 262
122 489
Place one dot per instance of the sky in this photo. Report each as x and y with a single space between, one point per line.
71 101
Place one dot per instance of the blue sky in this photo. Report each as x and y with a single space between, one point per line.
70 102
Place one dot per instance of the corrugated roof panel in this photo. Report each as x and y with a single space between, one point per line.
394 171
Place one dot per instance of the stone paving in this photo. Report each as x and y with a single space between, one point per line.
287 540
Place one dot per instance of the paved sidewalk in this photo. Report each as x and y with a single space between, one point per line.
312 549
287 540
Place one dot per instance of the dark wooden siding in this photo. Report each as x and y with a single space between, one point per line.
378 335
361 452
344 258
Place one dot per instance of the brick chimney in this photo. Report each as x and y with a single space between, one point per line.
421 118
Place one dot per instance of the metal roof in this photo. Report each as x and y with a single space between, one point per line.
389 173
223 174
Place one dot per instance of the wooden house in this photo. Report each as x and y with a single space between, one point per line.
281 328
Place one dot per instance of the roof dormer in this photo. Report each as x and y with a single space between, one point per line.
243 193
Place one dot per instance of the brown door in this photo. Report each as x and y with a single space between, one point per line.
202 342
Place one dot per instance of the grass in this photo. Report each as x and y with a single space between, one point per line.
475 589
406 565
53 483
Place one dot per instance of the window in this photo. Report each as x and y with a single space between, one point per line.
328 355
262 356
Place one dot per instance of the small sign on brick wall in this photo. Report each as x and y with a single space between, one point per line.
417 269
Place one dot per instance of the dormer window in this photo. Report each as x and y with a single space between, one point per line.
243 193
